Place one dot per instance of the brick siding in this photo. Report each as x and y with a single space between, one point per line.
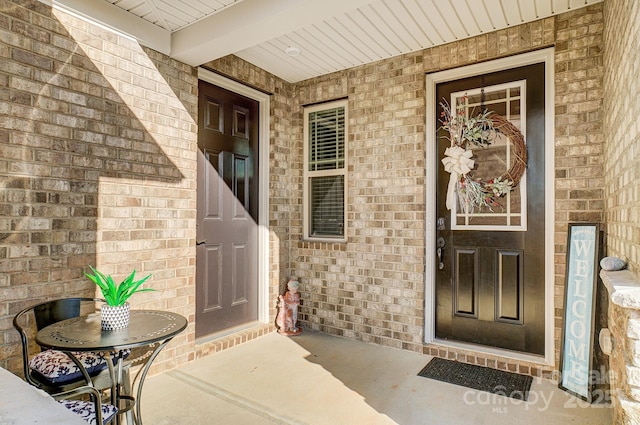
98 164
97 155
622 109
620 112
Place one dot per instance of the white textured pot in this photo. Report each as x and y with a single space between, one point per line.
114 317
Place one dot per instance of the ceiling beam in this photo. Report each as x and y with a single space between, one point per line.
248 23
119 20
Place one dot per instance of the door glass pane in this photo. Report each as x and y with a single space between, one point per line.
506 212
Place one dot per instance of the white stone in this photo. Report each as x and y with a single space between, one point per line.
623 287
612 264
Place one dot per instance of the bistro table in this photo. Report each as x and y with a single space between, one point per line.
84 333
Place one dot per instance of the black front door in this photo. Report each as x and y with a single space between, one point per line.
490 277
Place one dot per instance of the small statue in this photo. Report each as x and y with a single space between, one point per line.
288 310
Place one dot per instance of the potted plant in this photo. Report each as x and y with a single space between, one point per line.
115 313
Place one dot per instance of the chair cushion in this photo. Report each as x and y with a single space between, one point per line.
56 367
87 410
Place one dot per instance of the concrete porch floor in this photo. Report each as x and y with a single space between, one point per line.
317 379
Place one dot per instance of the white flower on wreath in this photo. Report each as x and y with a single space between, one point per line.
457 162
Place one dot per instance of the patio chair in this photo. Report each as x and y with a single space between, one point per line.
94 411
53 371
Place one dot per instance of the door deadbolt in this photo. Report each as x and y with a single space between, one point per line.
440 251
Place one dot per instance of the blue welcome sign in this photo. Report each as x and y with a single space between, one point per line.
576 360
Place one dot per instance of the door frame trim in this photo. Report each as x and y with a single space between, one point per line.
547 57
263 180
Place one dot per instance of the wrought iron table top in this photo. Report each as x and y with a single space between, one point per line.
84 333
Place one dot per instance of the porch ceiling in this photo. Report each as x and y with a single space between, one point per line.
332 35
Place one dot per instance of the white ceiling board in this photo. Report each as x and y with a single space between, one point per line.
577 4
512 13
422 19
409 23
367 31
528 9
560 5
173 15
467 15
260 55
130 4
438 21
451 19
495 10
333 47
332 35
543 8
481 16
320 61
352 38
322 58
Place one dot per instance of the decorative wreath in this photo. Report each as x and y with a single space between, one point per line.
479 130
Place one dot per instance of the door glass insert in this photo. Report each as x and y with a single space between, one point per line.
493 161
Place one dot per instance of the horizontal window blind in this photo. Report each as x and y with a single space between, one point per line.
327 139
327 206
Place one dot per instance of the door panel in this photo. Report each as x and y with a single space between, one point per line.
240 288
509 287
226 257
490 290
213 269
466 285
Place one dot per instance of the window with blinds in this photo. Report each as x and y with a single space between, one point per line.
325 129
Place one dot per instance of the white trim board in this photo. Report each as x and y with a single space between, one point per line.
546 56
263 178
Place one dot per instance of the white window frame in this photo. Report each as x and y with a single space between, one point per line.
308 175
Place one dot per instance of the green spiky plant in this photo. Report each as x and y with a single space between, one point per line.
117 294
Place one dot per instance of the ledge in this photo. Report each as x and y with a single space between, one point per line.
623 287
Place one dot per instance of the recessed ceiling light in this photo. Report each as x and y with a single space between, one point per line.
292 51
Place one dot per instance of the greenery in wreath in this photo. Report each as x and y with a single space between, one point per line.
478 130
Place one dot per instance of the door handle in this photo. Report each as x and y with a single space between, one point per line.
440 251
203 242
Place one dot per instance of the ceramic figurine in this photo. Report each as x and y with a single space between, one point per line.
288 310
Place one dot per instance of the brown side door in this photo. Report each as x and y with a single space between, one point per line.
490 286
227 231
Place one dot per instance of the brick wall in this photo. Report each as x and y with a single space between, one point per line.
97 166
118 122
579 170
621 112
372 287
620 125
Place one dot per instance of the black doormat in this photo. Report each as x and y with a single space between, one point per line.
480 378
